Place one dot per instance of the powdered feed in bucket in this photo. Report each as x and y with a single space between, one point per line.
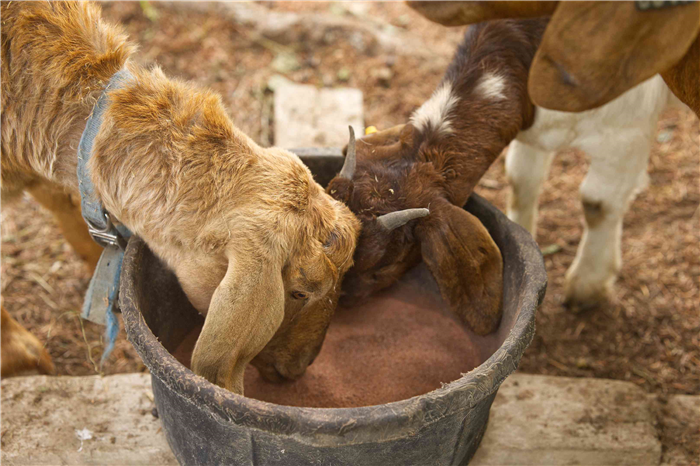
400 343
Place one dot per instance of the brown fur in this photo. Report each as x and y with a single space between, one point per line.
682 78
450 13
592 52
22 352
406 167
245 229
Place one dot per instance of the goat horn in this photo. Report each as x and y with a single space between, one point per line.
396 219
349 166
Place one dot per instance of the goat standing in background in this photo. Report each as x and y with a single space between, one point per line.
617 137
432 164
592 52
257 245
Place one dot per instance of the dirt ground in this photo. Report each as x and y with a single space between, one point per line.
649 332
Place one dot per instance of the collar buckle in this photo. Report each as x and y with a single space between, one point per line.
107 236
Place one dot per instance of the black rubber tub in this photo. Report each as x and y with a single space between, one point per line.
208 425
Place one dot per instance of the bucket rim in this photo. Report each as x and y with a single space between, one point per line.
372 423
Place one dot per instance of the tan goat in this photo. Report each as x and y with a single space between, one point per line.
256 244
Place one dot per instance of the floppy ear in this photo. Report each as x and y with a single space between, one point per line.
592 52
466 264
384 137
246 310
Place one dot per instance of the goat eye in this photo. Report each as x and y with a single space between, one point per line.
299 295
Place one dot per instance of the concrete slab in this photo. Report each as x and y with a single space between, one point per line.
302 115
679 419
535 420
541 420
43 419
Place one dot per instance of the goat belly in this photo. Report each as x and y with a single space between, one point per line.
400 343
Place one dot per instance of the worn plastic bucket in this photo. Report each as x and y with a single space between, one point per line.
207 425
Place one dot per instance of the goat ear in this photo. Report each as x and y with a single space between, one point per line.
466 264
246 310
385 143
592 52
385 137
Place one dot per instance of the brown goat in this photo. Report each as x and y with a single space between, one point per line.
257 245
434 162
592 52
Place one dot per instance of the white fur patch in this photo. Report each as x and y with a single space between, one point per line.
433 113
491 86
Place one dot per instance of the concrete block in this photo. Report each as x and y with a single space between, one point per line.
535 420
679 419
541 420
306 116
44 417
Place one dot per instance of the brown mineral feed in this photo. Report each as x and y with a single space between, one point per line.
396 345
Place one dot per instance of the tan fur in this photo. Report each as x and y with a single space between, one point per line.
22 352
243 227
66 211
592 52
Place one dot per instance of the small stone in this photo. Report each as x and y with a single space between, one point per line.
357 41
551 249
285 62
383 75
403 20
337 9
344 74
276 81
313 61
328 80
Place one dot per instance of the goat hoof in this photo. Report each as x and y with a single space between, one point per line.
579 306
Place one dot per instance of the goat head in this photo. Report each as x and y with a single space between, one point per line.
402 201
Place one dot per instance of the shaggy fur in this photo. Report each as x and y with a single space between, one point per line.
257 245
422 165
592 52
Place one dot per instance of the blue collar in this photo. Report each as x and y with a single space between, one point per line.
102 296
94 213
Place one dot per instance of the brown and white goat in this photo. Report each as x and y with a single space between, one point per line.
617 139
434 162
592 52
256 244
